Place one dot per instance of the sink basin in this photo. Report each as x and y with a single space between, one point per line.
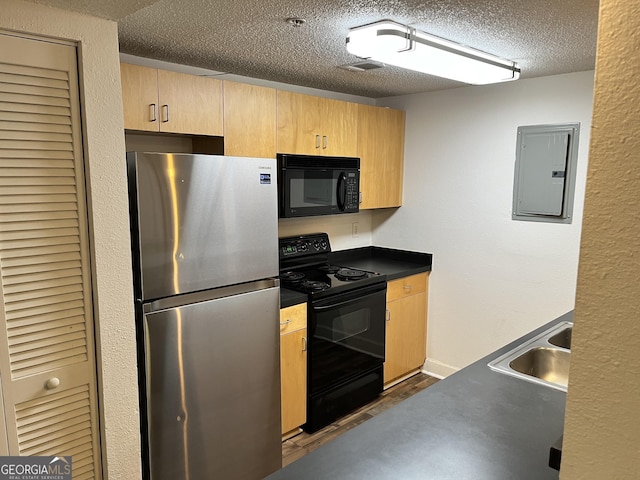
562 339
544 359
548 364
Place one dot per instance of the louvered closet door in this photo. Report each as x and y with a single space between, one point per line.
47 362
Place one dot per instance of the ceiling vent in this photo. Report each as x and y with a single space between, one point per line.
362 66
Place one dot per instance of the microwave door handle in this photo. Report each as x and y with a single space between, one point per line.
341 193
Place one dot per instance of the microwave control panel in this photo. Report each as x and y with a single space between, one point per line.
352 200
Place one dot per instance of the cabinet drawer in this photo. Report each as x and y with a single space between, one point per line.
293 318
403 287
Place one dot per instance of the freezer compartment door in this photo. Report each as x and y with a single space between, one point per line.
213 388
201 221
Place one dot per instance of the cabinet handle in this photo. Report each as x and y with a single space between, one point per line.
407 288
286 322
52 383
317 141
325 142
165 111
152 112
359 197
387 313
304 344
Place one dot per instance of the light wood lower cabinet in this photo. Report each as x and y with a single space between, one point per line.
293 366
406 327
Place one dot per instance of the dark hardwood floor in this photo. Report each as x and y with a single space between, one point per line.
298 446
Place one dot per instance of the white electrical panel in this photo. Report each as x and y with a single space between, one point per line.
545 169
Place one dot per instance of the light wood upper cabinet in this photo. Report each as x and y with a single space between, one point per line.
298 123
139 97
381 151
260 122
163 101
293 366
406 327
316 126
249 120
339 129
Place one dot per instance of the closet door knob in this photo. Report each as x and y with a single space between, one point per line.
52 383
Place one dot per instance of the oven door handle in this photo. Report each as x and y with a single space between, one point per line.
335 305
351 297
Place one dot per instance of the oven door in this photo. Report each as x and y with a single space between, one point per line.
346 336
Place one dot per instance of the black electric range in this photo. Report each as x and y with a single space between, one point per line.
345 328
305 267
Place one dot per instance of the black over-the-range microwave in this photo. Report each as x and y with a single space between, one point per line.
313 185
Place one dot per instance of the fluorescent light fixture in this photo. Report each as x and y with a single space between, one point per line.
396 44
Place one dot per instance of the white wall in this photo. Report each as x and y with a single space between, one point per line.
341 230
493 279
101 105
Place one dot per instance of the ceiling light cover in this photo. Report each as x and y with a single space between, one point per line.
396 44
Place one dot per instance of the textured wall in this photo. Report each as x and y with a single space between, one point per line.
493 279
108 207
602 425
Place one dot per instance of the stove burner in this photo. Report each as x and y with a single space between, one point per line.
329 268
350 274
292 277
314 286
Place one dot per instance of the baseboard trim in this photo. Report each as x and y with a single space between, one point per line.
438 369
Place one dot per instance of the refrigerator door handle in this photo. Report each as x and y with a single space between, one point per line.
196 297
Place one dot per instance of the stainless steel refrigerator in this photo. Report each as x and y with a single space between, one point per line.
205 252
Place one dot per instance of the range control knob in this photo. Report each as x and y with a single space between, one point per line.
323 244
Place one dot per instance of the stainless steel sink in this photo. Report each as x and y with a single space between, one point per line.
562 338
544 359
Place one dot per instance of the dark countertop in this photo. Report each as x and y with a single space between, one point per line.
391 262
291 297
476 424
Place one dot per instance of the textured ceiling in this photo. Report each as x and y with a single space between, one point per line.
252 38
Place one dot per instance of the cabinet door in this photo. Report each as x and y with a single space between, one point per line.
406 336
299 126
47 357
381 151
406 326
189 104
249 120
293 370
339 129
139 97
